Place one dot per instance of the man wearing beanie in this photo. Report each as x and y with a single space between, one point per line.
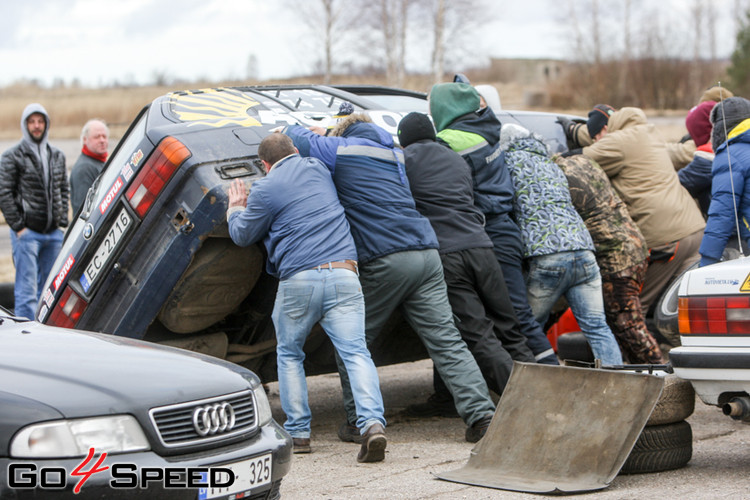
440 181
730 188
34 201
634 156
399 264
696 176
474 133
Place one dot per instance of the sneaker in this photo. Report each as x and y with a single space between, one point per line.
437 405
373 444
478 429
301 445
349 433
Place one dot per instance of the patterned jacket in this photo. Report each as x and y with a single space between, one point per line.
618 241
549 223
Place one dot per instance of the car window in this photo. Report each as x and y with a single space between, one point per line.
399 102
122 157
306 100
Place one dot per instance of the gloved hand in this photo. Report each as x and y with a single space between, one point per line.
567 125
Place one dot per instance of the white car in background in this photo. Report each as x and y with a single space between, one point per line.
714 319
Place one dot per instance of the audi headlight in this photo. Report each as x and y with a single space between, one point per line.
73 438
263 409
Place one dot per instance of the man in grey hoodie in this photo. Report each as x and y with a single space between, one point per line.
34 201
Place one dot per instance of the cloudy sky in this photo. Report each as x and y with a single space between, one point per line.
99 42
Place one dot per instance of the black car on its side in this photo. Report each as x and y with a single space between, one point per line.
87 415
149 254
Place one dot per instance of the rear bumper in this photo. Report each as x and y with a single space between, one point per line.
717 374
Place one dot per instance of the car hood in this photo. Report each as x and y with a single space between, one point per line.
82 374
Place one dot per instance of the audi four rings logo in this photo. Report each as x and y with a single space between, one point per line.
213 419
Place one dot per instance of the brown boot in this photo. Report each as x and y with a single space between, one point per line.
373 444
301 445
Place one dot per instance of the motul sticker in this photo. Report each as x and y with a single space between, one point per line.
746 285
64 272
111 195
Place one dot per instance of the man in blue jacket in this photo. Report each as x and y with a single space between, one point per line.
294 209
474 133
399 263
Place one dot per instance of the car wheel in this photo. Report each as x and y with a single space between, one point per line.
574 346
665 315
676 403
660 448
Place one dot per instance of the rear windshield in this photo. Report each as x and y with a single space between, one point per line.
121 158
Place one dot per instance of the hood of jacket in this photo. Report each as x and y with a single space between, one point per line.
369 131
449 101
737 134
28 111
626 118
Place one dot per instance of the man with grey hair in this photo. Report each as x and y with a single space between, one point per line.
94 150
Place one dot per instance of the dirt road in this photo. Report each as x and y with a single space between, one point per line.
418 449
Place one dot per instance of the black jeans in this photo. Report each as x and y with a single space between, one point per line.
484 314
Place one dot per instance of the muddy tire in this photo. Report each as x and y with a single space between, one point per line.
574 346
676 403
660 448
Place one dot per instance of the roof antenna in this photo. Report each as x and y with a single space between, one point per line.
731 174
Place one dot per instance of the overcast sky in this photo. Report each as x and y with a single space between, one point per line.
99 42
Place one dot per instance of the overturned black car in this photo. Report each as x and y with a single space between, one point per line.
149 255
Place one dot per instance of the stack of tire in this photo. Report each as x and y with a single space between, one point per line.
666 441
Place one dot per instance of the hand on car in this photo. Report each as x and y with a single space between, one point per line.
237 194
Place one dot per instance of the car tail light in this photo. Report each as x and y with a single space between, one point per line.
68 309
720 315
161 165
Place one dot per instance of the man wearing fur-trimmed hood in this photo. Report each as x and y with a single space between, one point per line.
34 201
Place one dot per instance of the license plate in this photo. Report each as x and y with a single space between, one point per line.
106 248
248 475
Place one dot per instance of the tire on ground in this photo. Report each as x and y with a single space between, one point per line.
574 346
660 448
676 403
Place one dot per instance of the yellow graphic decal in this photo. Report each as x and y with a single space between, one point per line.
214 107
745 285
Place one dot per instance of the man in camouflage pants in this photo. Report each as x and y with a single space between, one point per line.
621 252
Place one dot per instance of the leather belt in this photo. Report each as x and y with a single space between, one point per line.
339 264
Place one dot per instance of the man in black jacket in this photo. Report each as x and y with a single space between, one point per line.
34 201
442 187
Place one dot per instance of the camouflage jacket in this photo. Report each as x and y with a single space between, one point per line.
618 241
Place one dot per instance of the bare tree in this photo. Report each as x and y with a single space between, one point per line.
330 23
438 44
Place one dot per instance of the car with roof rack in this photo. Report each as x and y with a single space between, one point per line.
149 256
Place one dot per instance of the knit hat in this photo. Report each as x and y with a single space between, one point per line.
715 94
598 118
415 127
698 122
726 115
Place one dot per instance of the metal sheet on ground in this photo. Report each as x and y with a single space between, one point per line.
561 429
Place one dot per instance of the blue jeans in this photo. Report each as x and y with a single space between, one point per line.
576 276
34 255
332 297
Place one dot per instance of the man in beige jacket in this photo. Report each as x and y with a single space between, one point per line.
635 158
